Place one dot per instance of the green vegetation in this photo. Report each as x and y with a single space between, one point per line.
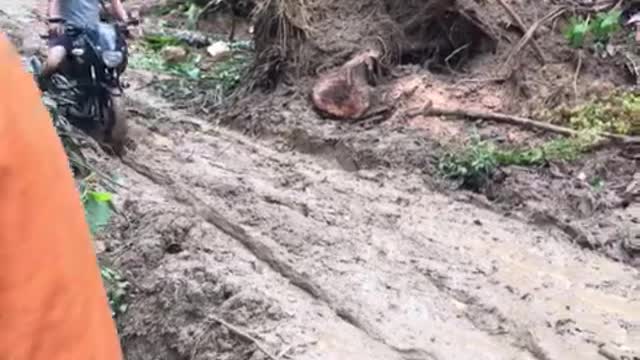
229 73
605 25
224 75
97 206
618 113
98 209
601 28
149 57
117 289
577 32
475 165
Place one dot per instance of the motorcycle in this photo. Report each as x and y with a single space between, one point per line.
88 87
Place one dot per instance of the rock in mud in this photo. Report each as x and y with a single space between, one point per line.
174 54
219 51
632 244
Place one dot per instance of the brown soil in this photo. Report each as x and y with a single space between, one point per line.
334 240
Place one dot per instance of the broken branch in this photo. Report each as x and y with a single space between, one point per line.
210 7
514 15
518 120
244 335
529 34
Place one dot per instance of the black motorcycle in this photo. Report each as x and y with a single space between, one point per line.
88 88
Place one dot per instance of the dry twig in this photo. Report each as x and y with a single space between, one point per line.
210 7
284 352
514 15
529 34
245 336
238 332
577 74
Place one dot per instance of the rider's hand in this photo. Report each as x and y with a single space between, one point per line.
130 28
56 28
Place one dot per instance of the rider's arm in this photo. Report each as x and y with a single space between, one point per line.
54 9
118 10
53 305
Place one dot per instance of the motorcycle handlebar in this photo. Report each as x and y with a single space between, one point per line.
131 22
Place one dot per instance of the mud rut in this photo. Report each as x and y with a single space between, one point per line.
319 263
366 265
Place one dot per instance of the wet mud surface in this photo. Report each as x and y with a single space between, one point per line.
334 241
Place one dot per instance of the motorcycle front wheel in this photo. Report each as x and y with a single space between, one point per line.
116 129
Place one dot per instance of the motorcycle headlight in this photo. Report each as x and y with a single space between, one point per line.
112 59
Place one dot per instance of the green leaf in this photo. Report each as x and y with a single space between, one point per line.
605 25
97 207
192 15
101 196
577 32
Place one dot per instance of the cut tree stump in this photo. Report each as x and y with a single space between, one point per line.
345 93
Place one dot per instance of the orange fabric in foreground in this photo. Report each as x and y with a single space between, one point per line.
52 302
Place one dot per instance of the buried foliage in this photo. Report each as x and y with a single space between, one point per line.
195 80
474 166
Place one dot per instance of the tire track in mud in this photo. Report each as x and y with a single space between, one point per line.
478 287
267 255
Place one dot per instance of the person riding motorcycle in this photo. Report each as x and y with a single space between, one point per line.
75 13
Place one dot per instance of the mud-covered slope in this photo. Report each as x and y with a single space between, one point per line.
303 253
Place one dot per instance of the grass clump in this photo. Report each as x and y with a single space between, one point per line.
618 113
474 166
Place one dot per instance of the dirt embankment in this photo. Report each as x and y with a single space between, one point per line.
319 246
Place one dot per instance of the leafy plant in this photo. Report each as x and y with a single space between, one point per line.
98 209
117 289
577 32
475 165
605 24
158 42
188 69
148 57
192 13
97 206
229 73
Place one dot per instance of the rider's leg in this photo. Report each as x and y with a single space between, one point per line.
59 47
55 56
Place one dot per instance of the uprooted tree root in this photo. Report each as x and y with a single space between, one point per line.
345 44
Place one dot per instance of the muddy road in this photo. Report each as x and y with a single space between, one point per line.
365 265
222 234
